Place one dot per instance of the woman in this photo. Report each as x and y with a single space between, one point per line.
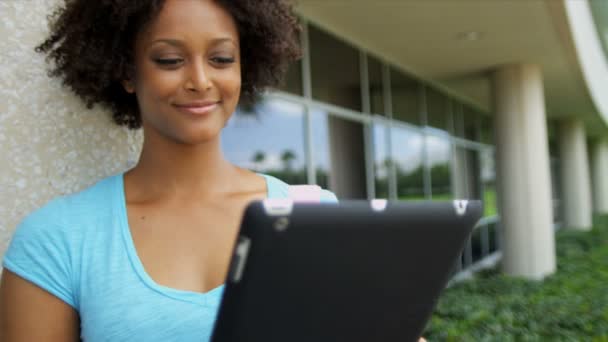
141 256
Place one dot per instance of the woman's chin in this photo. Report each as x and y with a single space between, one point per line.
187 132
204 131
198 137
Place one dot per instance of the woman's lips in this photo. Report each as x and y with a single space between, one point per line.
198 109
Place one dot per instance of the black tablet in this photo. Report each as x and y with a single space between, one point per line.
355 271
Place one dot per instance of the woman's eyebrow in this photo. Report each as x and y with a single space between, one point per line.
217 41
174 42
179 43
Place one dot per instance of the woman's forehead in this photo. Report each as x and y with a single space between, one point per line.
192 19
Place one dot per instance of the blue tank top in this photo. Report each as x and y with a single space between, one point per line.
79 248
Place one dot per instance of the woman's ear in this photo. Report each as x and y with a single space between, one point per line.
128 85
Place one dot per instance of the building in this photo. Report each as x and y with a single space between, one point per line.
503 101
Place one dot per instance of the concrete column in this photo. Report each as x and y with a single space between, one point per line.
599 167
523 173
458 174
459 171
465 174
576 183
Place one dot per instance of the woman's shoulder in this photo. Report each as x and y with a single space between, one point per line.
69 212
46 247
280 189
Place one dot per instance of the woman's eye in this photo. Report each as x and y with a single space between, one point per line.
168 61
223 60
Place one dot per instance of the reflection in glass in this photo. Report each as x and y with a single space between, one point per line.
471 124
340 155
466 177
458 119
488 177
554 163
293 79
268 141
493 237
476 245
335 75
320 141
487 130
406 95
376 90
407 156
483 241
382 161
439 156
437 106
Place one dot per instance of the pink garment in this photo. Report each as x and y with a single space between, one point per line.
305 193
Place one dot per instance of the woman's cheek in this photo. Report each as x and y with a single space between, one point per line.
166 83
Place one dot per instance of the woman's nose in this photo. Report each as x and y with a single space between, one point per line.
198 78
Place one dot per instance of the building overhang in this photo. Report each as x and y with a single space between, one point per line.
457 44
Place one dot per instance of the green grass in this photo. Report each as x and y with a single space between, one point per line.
489 200
570 305
436 197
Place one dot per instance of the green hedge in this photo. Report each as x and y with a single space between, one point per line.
570 305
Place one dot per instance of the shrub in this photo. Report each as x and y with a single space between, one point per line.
570 305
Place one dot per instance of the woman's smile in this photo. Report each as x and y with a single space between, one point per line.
198 108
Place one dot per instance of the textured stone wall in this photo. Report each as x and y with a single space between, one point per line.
50 144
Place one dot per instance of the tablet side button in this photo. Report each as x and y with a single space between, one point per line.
240 259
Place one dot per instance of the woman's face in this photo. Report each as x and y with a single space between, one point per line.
187 71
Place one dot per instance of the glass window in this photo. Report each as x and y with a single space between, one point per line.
335 72
552 137
459 169
339 155
439 155
382 161
487 129
348 157
474 174
320 141
376 90
483 241
437 106
493 237
406 96
467 253
476 245
253 140
471 124
488 177
556 189
407 156
293 79
554 163
458 119
466 178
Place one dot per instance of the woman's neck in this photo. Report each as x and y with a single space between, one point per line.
168 170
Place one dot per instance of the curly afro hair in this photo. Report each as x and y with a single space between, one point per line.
91 44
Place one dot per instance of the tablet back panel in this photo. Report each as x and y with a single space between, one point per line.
347 272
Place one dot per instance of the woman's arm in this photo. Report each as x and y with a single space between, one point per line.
29 313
